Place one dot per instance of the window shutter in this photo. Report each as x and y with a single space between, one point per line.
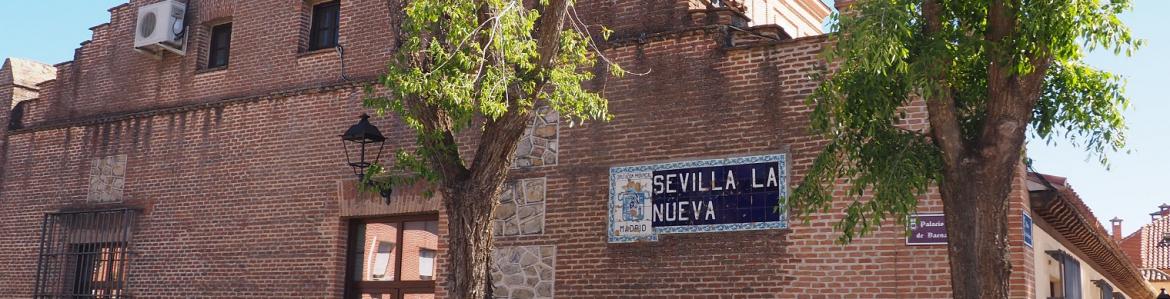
1072 278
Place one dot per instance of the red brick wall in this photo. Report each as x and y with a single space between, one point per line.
631 18
240 196
701 100
1132 247
238 200
108 76
1021 255
6 98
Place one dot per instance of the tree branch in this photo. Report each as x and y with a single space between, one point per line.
439 137
1007 110
496 148
498 145
548 31
942 111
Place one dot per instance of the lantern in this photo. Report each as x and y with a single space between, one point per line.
363 144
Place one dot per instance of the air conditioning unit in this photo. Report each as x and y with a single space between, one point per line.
161 26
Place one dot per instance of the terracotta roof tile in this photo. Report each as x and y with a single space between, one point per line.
1058 181
1155 255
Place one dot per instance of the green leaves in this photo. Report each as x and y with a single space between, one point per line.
886 165
1083 105
483 65
465 64
888 55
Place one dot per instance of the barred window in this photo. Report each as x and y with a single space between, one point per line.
84 255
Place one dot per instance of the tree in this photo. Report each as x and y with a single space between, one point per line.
987 71
480 67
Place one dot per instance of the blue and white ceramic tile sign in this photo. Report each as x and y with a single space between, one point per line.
715 195
1027 229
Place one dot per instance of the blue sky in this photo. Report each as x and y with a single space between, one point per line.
1131 187
49 31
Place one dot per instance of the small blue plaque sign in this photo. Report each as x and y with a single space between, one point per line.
731 194
1027 229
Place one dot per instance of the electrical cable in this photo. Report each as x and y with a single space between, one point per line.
341 56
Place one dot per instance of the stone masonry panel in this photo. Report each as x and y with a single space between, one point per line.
107 178
523 272
522 207
538 146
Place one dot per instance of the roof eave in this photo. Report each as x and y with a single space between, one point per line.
1056 208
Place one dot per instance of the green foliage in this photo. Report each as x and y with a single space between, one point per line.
1084 105
468 63
885 59
408 169
868 152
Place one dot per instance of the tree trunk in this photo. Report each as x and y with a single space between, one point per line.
469 239
975 203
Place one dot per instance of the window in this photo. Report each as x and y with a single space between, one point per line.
1105 289
1069 283
84 255
392 258
221 41
95 270
323 29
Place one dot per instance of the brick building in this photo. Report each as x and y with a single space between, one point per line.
1073 255
1149 246
219 173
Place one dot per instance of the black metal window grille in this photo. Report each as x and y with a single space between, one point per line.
84 255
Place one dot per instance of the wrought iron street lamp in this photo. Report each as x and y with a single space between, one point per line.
362 141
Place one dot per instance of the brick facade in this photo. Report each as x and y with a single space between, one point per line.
243 190
1149 248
